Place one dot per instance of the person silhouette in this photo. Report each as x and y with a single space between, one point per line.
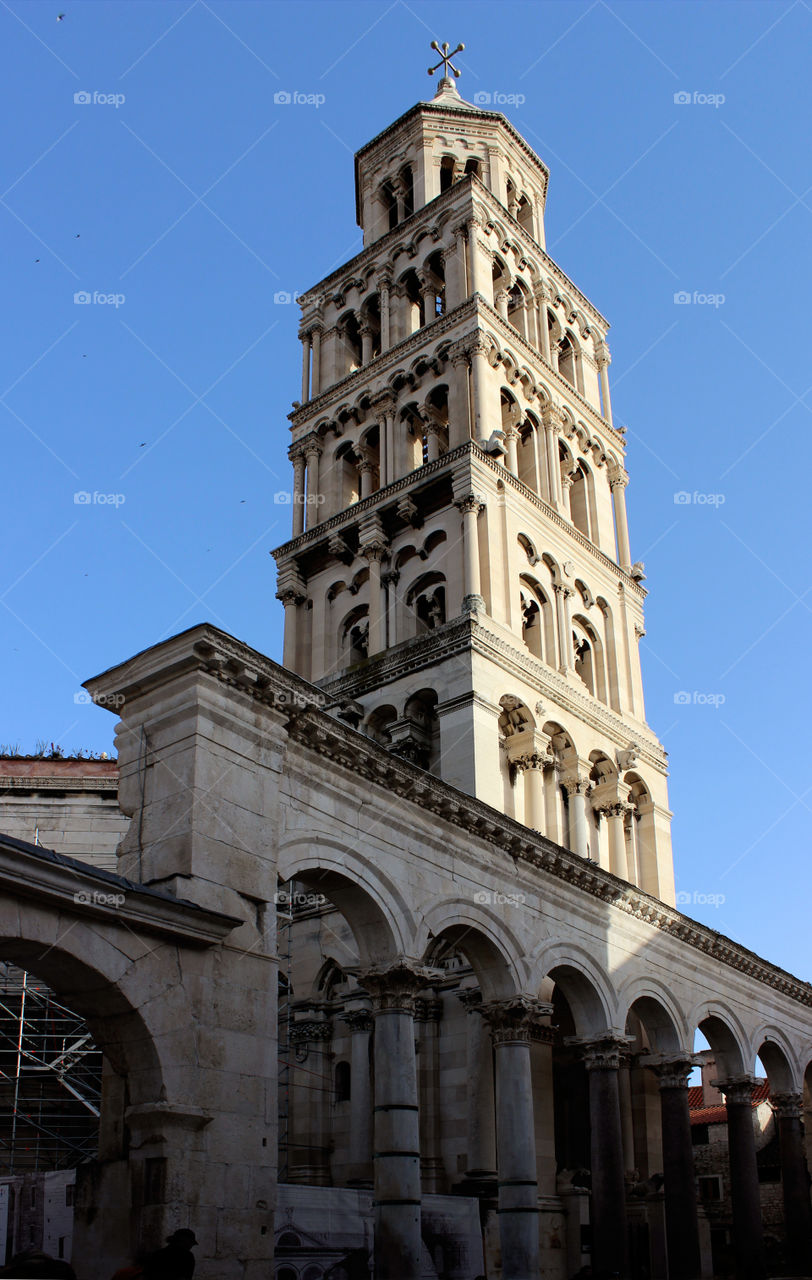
175 1261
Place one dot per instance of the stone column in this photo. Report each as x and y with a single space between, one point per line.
512 442
366 342
374 553
315 379
454 269
366 470
577 789
511 1023
298 493
563 594
481 1114
312 454
566 486
748 1238
397 1142
459 421
533 766
308 1158
618 481
542 296
615 815
291 599
427 1023
608 1201
472 599
552 803
496 173
305 340
603 360
384 285
681 1215
551 420
429 295
486 413
433 441
360 1024
475 280
787 1108
501 301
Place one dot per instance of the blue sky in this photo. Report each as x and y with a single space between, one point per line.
187 197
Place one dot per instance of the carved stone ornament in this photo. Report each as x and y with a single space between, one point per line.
513 1021
395 988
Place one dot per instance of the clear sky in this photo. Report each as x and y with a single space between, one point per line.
186 197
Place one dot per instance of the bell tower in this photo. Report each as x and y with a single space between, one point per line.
459 580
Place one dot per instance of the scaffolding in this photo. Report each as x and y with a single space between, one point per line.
50 1079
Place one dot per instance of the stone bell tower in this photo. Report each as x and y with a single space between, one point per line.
459 580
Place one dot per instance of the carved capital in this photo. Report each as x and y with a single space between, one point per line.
737 1089
787 1106
470 503
604 1053
471 999
310 1031
618 478
514 1021
358 1019
395 988
672 1071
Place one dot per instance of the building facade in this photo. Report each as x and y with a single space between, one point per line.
394 981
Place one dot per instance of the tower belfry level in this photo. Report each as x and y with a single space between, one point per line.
459 581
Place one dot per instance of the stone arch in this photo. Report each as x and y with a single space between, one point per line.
784 1071
584 983
380 918
93 976
725 1035
494 950
654 1006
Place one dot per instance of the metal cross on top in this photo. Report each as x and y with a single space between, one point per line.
445 58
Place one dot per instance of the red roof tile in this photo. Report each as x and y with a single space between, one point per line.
718 1114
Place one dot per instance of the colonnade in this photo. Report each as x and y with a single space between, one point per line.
394 1125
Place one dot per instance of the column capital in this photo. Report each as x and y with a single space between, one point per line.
602 354
310 1031
395 988
358 1019
428 1009
551 417
514 1021
787 1106
471 502
458 353
470 998
384 279
672 1070
312 448
603 1053
618 476
736 1088
563 590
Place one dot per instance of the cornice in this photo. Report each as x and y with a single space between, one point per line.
463 634
556 518
29 782
221 657
344 748
91 893
394 356
313 536
351 514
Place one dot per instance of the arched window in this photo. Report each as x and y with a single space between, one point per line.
531 623
346 480
355 635
390 205
407 182
524 214
448 167
473 165
436 273
517 308
427 597
343 1082
350 332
